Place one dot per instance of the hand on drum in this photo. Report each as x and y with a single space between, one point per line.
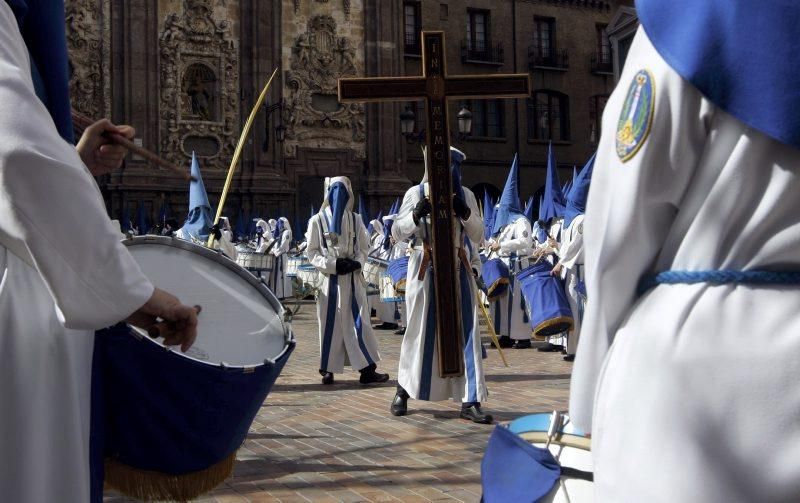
164 315
557 270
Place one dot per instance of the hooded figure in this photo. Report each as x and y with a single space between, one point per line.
281 284
52 297
337 246
571 253
553 200
418 376
686 373
263 235
385 311
199 222
223 238
512 243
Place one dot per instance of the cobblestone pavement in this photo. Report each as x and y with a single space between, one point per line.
312 442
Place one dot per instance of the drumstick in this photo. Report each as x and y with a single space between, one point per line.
84 122
165 328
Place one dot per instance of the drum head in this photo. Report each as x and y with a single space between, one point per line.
241 324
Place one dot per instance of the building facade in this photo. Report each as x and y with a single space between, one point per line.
186 73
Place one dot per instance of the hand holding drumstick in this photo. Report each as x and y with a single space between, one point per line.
164 316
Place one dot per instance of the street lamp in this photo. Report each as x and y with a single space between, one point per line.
464 123
408 122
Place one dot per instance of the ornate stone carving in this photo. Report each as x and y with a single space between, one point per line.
312 115
199 105
88 43
346 7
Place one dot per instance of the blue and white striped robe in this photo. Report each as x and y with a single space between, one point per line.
419 363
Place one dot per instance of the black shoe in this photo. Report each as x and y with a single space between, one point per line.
505 342
569 358
369 376
550 348
475 414
399 405
522 344
401 331
327 378
386 326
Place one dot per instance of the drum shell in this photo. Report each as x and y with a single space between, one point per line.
387 291
495 276
373 270
167 413
548 306
398 271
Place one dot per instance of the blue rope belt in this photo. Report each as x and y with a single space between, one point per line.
719 277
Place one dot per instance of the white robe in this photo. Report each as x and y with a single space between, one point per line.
281 284
508 312
63 274
419 367
345 331
572 257
226 245
387 312
692 388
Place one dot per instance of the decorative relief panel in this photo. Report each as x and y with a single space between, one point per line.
199 102
89 43
321 44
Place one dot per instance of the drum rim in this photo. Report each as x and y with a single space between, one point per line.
217 256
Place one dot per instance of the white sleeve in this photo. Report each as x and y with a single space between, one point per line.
572 249
631 208
473 226
285 244
314 251
404 225
523 241
54 216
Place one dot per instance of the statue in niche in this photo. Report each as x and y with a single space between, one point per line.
199 86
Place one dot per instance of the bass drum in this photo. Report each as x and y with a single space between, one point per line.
170 423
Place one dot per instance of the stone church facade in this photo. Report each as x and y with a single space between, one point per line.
186 73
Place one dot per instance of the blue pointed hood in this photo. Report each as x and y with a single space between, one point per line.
388 222
199 222
742 55
362 209
508 209
240 220
553 200
43 27
339 198
529 209
457 157
488 215
163 213
141 219
576 204
124 218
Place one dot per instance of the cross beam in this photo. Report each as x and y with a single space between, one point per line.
435 87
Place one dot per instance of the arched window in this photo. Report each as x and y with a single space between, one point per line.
548 116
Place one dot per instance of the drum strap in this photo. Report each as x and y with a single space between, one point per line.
326 226
426 248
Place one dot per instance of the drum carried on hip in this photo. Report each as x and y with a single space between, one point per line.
398 271
169 423
374 269
545 300
495 276
540 457
293 265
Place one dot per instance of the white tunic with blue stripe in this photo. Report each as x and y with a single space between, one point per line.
690 391
419 367
508 313
345 332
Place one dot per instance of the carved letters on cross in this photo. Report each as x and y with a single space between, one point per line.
312 115
199 105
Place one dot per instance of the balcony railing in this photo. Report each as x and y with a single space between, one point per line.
472 52
413 45
601 63
550 59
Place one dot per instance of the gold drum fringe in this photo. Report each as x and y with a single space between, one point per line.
155 486
490 291
551 323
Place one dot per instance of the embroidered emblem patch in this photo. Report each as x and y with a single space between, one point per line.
637 115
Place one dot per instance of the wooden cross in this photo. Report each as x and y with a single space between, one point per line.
435 87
